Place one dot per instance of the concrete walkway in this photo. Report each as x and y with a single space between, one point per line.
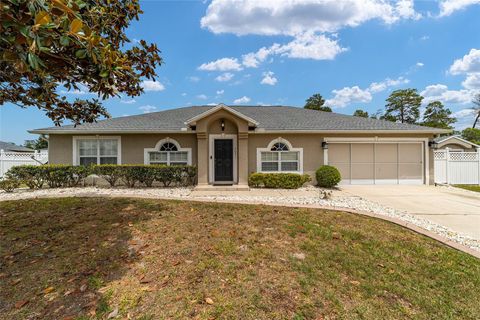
454 208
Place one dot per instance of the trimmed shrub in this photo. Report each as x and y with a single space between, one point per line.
32 176
9 185
278 180
55 175
67 176
110 172
327 176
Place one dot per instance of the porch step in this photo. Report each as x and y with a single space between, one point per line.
236 187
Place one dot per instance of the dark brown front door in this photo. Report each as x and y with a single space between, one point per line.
223 157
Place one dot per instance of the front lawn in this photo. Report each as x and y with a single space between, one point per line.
471 187
85 258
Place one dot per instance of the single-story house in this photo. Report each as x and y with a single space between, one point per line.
227 143
13 148
456 143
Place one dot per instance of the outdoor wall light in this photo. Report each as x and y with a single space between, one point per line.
433 144
223 124
324 145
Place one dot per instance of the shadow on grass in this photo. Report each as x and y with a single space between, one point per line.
56 254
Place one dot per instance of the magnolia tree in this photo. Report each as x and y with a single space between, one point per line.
45 45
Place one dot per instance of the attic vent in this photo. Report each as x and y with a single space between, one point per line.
193 128
251 128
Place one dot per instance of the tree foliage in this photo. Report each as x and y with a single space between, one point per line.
38 144
403 106
360 113
472 135
47 45
438 116
316 102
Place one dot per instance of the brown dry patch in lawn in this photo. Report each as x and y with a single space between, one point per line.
148 259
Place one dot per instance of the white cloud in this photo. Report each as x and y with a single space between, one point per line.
470 63
149 85
201 97
376 87
465 118
305 46
441 93
131 101
299 16
347 95
223 64
472 81
227 76
194 79
269 78
184 94
219 92
148 108
419 64
424 38
447 7
242 100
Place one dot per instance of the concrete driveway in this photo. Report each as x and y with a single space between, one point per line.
454 208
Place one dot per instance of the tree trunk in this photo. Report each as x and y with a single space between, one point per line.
476 120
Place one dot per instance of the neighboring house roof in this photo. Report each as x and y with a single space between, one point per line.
7 146
265 118
454 139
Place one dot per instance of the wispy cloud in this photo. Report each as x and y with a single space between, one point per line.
147 108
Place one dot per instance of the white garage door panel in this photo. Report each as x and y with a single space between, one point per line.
378 163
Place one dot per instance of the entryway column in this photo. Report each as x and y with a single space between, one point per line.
202 158
243 158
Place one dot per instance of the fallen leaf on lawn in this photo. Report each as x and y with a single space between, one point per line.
83 287
48 290
208 301
355 283
147 289
20 303
381 265
68 292
113 314
16 281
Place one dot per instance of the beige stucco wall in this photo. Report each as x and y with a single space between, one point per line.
60 147
455 146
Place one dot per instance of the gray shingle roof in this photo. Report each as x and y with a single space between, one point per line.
269 118
7 146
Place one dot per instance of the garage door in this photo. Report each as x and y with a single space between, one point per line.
378 163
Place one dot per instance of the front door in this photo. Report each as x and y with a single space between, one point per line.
223 160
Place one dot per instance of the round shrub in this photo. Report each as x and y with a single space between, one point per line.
327 176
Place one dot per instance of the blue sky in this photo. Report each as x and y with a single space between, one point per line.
353 52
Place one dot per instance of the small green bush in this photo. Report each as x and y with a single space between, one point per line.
32 176
69 176
9 185
55 175
278 180
110 172
327 176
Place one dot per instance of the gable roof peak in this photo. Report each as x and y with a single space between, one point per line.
221 106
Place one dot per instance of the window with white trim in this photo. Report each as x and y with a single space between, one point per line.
168 154
280 159
97 151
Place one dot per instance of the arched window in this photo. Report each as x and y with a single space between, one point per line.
168 152
279 156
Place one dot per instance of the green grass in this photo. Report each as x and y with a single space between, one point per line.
153 259
471 187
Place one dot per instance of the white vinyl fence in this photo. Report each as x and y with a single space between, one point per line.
452 167
11 159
